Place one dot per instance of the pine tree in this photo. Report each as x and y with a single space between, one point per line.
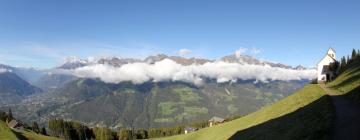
43 131
342 63
125 134
334 68
103 134
35 127
10 115
353 54
3 116
140 134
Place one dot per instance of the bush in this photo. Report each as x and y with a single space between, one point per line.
314 81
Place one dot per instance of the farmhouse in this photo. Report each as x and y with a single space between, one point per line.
13 124
215 121
189 130
323 72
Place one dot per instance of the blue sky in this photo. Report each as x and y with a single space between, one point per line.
42 33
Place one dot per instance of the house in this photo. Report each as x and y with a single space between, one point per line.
215 121
189 129
13 124
323 72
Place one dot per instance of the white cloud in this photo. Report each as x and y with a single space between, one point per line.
240 51
184 52
168 70
2 70
255 51
250 51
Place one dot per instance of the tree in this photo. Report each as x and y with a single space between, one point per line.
35 127
342 63
53 127
353 54
130 123
104 134
80 130
141 134
125 134
10 115
43 131
56 127
334 68
3 116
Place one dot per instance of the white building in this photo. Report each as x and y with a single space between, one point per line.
189 130
323 73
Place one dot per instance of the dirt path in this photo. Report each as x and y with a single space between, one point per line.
347 121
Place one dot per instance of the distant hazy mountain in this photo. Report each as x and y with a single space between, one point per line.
73 63
13 88
28 74
6 67
52 81
299 67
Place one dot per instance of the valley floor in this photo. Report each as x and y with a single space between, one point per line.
347 116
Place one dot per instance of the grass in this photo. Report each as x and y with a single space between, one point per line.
232 109
129 90
164 120
290 104
33 136
187 94
312 122
7 134
348 82
167 108
349 79
191 112
195 110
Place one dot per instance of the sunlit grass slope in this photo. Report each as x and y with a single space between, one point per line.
33 136
348 82
7 134
288 105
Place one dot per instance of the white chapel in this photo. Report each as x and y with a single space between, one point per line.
323 73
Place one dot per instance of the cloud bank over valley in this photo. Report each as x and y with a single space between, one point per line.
169 70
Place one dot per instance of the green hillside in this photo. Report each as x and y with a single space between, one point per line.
348 82
7 134
166 104
309 109
153 105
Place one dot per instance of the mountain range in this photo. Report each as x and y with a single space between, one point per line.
75 62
